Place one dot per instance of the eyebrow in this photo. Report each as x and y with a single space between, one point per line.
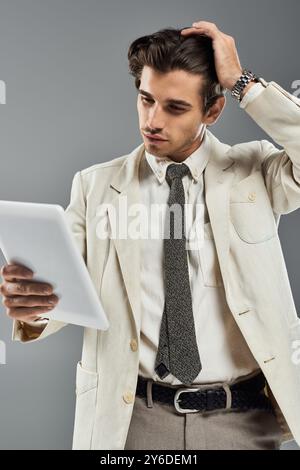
169 100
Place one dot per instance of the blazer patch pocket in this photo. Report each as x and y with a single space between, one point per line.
85 380
86 393
250 210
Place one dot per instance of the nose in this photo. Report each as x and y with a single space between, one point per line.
155 120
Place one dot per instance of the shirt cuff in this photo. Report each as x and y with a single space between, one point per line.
40 322
251 94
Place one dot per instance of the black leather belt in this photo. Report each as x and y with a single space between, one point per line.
244 395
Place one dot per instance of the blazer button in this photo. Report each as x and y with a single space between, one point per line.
252 197
128 397
133 345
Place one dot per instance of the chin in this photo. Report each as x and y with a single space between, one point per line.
154 150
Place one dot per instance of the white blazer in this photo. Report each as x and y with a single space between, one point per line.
248 187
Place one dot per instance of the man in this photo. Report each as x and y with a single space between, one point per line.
200 353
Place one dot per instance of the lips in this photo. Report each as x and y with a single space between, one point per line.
154 137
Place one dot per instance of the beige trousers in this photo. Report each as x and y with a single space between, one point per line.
159 426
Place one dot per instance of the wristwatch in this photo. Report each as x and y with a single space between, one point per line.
242 82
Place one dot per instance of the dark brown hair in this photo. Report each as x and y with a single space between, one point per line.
168 50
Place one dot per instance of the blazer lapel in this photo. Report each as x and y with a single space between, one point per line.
218 176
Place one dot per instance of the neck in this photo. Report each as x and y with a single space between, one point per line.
185 153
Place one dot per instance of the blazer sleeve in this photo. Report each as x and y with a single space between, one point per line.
277 112
75 216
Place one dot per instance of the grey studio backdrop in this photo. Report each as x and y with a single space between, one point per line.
71 103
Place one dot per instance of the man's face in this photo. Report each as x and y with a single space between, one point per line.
180 124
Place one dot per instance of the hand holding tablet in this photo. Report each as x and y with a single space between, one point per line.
24 297
37 237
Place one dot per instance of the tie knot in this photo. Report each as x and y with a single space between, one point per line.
176 171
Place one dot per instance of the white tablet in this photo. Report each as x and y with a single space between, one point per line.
38 236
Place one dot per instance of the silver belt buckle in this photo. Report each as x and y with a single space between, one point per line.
225 387
176 400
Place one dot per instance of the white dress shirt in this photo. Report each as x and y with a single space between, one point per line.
223 350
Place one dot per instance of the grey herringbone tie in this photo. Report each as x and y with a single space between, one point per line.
177 351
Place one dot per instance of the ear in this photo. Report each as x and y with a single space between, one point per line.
214 111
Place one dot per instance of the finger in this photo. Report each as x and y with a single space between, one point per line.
22 313
205 24
30 301
37 318
26 288
199 31
186 30
16 271
190 31
210 29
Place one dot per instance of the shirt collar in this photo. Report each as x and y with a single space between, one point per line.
196 161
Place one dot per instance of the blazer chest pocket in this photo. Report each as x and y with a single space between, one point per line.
250 210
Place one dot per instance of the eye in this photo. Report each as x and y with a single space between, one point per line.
146 99
173 106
